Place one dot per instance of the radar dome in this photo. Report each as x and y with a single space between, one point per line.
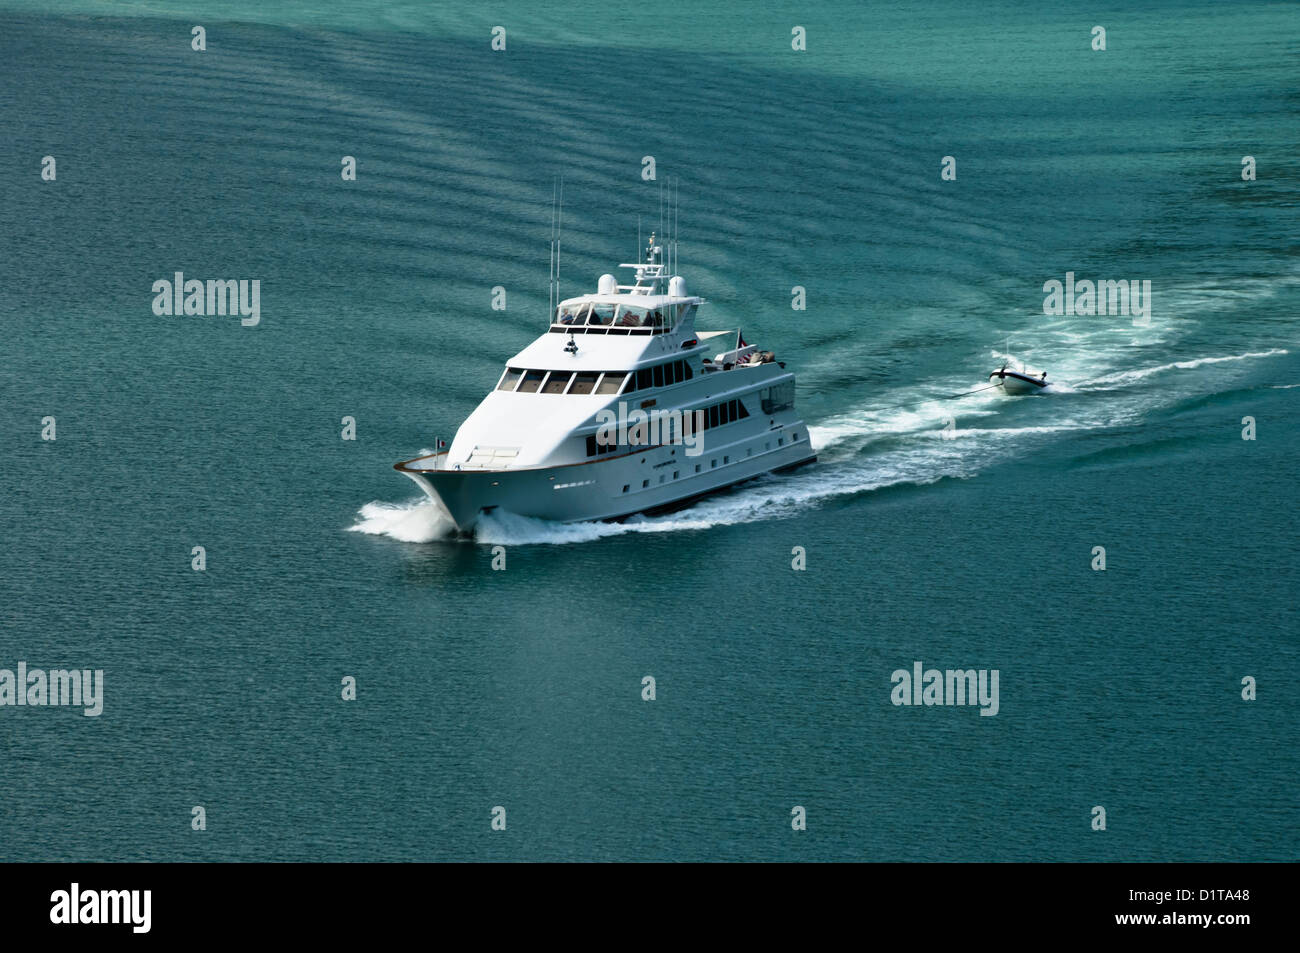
607 285
677 286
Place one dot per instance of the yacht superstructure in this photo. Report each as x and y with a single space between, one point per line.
622 407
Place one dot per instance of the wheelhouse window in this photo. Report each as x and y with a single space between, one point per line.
531 382
584 382
644 379
510 378
556 382
610 383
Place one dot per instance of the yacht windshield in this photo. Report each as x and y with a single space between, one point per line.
572 314
601 314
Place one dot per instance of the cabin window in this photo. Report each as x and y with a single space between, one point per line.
713 416
584 382
556 382
510 378
610 383
532 380
630 317
659 375
601 314
644 484
686 367
778 397
595 447
643 379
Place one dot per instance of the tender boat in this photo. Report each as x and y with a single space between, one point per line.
1018 382
621 407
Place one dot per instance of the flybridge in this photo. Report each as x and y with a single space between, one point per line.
640 308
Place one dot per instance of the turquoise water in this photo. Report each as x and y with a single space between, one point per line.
522 688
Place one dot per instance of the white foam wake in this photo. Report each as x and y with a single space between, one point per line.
1122 378
419 521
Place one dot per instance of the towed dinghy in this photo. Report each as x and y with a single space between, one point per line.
1018 382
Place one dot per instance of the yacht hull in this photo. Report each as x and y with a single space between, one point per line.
657 480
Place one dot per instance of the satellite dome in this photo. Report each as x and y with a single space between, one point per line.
677 286
607 285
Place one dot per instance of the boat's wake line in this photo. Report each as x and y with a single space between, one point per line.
918 448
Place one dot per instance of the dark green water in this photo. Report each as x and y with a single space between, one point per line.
522 688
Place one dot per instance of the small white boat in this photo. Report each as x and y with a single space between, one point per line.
1018 382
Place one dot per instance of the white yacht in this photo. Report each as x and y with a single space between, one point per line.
622 407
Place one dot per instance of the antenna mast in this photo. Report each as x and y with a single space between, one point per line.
677 188
550 277
559 232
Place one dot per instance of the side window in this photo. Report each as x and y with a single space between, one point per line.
643 379
532 380
686 366
713 416
510 378
630 317
742 412
659 375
